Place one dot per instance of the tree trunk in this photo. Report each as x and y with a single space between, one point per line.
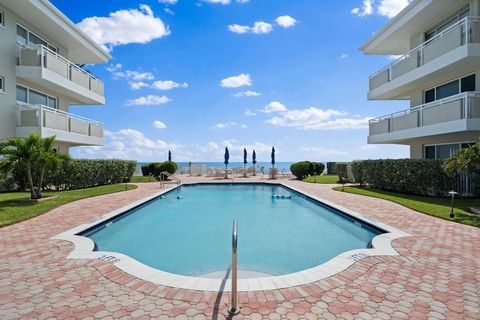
40 182
30 182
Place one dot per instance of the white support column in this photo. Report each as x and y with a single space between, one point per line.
475 8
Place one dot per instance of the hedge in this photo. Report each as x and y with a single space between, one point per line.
155 168
413 176
82 173
342 171
303 169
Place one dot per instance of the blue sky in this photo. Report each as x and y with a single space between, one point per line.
195 76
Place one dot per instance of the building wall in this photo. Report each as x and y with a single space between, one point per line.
8 61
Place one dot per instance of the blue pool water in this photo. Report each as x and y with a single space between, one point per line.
188 231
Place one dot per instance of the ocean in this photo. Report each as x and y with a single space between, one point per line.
281 166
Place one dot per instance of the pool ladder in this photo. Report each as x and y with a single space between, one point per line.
234 297
164 177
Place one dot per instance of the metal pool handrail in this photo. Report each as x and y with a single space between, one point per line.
234 298
168 175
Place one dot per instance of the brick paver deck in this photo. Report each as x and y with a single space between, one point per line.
436 276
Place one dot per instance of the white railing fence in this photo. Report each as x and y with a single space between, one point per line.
464 31
39 55
461 106
45 117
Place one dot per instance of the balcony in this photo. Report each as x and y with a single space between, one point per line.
453 49
455 114
44 67
65 126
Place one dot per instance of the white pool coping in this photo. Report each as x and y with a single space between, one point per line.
84 249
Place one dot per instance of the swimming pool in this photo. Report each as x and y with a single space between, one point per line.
188 231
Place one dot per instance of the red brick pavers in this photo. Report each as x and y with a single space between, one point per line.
436 276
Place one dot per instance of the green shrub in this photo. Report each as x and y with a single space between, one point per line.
7 184
319 168
342 170
168 166
146 170
358 171
83 173
300 169
414 176
303 169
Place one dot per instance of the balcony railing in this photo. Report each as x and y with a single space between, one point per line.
45 117
461 106
41 56
464 31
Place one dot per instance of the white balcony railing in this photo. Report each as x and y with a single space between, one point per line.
461 106
45 117
464 31
41 56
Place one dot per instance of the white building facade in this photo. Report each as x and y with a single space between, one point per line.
41 54
437 69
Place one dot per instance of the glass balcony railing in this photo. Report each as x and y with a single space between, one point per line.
45 117
461 106
465 31
41 56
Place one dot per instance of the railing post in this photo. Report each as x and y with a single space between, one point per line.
234 299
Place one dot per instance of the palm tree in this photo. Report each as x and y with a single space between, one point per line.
464 161
35 155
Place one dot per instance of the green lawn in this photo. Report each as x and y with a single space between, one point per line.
143 179
326 179
14 208
437 207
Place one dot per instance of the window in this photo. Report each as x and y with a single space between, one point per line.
451 88
25 37
31 96
2 84
447 23
430 152
22 94
22 35
2 19
443 151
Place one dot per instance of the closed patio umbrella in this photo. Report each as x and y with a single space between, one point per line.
254 161
245 162
227 157
169 156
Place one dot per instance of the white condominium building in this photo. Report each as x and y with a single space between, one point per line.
436 44
41 57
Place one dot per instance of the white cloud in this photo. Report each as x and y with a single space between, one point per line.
136 85
274 106
387 8
159 124
259 27
390 8
249 113
131 75
313 118
128 144
168 85
323 152
241 80
123 27
247 93
229 124
216 150
285 21
344 56
150 100
368 147
225 1
169 11
172 2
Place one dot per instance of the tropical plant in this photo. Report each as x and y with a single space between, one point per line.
465 161
34 155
